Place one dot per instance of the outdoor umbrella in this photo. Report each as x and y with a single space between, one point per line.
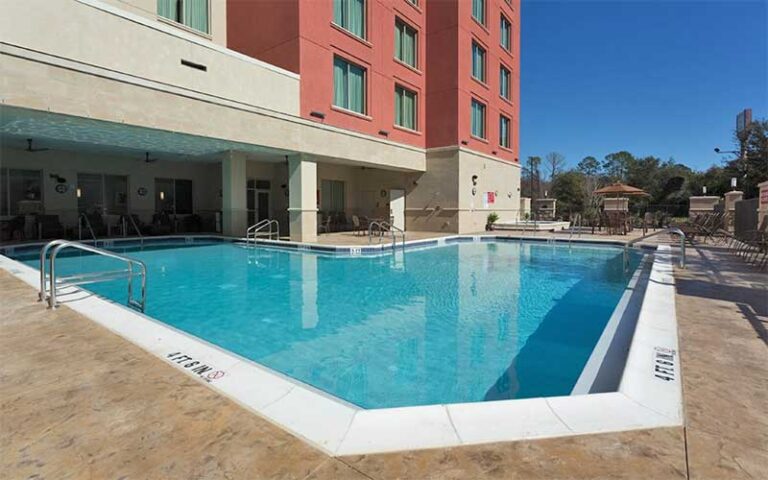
620 189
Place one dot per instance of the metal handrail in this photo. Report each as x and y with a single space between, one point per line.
577 220
389 227
80 219
255 230
59 245
135 227
669 231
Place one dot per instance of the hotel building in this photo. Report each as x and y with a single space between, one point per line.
210 115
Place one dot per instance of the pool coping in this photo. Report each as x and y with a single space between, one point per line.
649 394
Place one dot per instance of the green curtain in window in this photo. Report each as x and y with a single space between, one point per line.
478 10
478 62
356 17
503 132
196 14
409 112
167 9
356 89
505 31
398 106
478 119
398 40
338 12
409 46
504 83
340 96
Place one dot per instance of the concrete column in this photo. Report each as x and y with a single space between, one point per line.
233 193
302 198
730 205
762 203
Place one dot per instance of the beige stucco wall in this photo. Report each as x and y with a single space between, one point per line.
702 204
148 10
443 199
206 179
99 35
502 178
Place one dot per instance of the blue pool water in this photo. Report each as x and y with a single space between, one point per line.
464 322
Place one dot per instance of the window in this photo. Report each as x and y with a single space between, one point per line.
348 85
107 194
332 196
504 124
405 108
405 43
478 10
173 196
20 191
350 15
478 62
504 76
192 13
506 33
478 119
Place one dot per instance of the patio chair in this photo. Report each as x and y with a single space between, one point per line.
360 226
325 226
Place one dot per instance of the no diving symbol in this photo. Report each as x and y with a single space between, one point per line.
215 375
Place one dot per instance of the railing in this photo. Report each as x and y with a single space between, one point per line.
49 294
80 219
260 230
133 224
669 231
386 227
576 221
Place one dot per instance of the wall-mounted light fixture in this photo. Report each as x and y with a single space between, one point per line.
79 192
162 195
474 179
316 114
58 179
464 142
384 132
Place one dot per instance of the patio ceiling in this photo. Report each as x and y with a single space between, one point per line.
64 132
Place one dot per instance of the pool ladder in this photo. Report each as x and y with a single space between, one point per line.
49 293
669 231
263 228
386 227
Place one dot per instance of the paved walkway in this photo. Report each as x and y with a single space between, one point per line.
79 402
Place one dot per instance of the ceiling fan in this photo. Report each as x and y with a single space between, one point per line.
30 149
147 159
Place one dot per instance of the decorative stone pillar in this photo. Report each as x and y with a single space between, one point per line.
233 195
730 205
302 198
762 203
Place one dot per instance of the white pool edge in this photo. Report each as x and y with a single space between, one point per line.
339 428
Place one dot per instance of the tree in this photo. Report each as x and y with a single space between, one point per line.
752 167
589 166
616 165
531 181
554 163
568 189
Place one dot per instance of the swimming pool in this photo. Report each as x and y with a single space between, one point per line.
458 323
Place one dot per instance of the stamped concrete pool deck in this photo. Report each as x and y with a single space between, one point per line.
80 402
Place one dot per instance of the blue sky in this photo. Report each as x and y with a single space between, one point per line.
654 77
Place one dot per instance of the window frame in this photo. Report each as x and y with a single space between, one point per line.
484 66
415 107
484 124
504 20
364 35
365 86
179 20
174 181
503 68
5 190
481 21
407 26
505 142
